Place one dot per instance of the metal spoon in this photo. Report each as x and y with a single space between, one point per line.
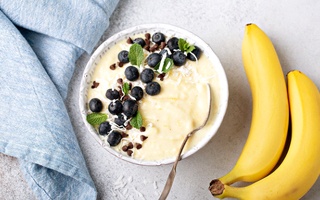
172 174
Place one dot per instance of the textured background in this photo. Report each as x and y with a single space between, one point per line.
294 30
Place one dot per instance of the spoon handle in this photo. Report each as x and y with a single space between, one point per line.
168 185
172 174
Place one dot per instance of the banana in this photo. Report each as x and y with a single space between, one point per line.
300 167
270 112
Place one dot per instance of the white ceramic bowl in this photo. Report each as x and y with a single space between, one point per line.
168 30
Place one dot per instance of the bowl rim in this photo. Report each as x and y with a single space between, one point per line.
224 91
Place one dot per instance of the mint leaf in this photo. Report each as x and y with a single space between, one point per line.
126 88
181 43
96 118
136 121
136 55
185 46
167 65
190 48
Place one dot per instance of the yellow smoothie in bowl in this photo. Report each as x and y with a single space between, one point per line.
145 89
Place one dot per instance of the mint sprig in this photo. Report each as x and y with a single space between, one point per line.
167 65
136 121
185 46
136 55
96 118
126 88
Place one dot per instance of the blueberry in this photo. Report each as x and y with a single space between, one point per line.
120 120
104 128
178 58
137 92
196 52
158 38
114 138
95 105
153 88
112 94
115 107
139 41
123 56
131 73
173 43
153 59
163 51
130 107
147 75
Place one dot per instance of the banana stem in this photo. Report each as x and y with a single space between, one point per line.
220 190
216 187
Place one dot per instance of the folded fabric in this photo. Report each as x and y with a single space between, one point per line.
40 42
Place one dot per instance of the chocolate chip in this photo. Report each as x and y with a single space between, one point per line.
142 129
161 76
147 47
113 66
95 84
120 93
154 47
120 81
162 45
148 36
124 134
143 137
130 145
128 127
129 152
138 145
130 86
129 41
125 148
120 64
126 97
147 42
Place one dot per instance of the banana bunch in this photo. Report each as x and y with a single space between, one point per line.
270 111
272 101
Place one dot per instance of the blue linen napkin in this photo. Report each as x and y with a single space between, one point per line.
39 44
